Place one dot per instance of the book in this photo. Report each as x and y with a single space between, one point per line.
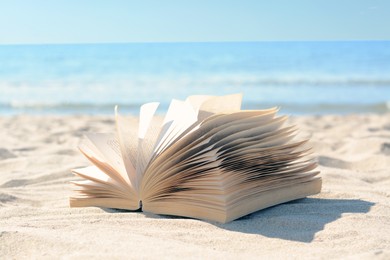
206 159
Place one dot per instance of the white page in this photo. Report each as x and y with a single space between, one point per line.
180 117
203 107
109 148
127 137
146 135
96 175
197 100
222 104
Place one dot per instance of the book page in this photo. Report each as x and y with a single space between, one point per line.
224 104
217 123
147 136
94 174
109 148
179 118
197 100
253 128
127 139
202 107
95 156
185 146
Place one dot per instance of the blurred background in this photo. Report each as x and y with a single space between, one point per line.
66 57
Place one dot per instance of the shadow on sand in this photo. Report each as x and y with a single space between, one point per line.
297 220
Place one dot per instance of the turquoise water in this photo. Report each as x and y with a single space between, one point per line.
299 77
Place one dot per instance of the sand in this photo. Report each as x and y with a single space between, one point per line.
349 219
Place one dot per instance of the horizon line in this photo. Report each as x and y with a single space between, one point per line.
189 42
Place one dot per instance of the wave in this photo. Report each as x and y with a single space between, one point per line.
297 80
326 108
108 108
64 107
199 80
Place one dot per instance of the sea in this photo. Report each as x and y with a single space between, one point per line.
331 77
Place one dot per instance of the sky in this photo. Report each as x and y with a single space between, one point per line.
103 21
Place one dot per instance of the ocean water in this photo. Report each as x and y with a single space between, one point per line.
298 77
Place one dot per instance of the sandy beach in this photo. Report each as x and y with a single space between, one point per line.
349 219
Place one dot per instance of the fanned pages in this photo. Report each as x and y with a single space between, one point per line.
207 159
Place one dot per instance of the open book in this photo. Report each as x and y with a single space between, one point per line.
206 159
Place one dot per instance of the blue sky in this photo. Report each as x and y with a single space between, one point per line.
96 21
